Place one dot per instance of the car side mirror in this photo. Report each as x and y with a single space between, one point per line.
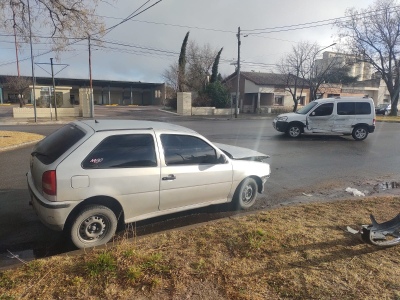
312 114
222 159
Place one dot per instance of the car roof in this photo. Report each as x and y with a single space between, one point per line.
345 99
110 125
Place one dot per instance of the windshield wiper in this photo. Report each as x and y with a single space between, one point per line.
36 153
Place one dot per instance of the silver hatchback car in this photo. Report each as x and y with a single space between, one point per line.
88 177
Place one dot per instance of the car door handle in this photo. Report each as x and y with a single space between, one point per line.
169 177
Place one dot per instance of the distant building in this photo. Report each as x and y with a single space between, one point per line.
363 70
262 91
104 91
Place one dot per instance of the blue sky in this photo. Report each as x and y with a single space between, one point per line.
156 35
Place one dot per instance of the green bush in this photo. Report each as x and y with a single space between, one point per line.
218 94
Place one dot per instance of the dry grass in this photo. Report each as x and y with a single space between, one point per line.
14 138
388 119
298 252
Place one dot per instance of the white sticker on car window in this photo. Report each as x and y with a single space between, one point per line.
96 160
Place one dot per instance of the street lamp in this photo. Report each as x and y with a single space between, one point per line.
313 69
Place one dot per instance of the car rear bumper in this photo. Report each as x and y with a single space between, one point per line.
371 128
51 214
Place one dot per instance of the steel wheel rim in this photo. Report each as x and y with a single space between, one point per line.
247 194
294 131
93 228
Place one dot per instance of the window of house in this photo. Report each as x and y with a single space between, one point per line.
301 100
187 150
123 151
324 110
319 95
279 100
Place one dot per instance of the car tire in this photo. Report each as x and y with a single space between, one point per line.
360 133
246 194
93 226
293 131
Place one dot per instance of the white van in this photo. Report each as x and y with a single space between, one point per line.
350 115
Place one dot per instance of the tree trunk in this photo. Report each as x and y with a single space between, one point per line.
295 104
21 101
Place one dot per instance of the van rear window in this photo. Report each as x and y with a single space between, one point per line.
57 143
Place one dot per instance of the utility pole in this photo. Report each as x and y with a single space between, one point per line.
91 83
33 69
54 88
238 76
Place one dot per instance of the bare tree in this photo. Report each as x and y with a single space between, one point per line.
374 35
19 85
294 68
62 19
200 61
302 70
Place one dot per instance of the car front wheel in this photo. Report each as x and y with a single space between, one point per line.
95 225
293 131
246 194
360 133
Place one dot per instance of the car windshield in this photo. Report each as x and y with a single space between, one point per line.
306 108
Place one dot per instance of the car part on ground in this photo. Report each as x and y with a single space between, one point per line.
380 234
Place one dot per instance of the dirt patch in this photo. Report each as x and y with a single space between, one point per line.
12 139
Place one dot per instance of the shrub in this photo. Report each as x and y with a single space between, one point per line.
219 94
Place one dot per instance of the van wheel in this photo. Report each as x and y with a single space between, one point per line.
360 133
293 131
95 225
246 194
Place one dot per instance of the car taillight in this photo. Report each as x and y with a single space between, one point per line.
373 122
49 183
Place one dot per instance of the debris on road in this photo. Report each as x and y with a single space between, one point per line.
355 192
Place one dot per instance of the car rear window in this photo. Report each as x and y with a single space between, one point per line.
123 151
57 143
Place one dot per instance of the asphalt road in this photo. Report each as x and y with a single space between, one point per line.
306 165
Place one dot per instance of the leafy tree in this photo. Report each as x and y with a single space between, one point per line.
62 19
182 64
19 85
374 35
214 74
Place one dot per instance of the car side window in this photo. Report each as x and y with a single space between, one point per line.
323 110
187 150
346 108
123 151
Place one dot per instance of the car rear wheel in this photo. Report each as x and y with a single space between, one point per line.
360 133
246 194
293 131
93 226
